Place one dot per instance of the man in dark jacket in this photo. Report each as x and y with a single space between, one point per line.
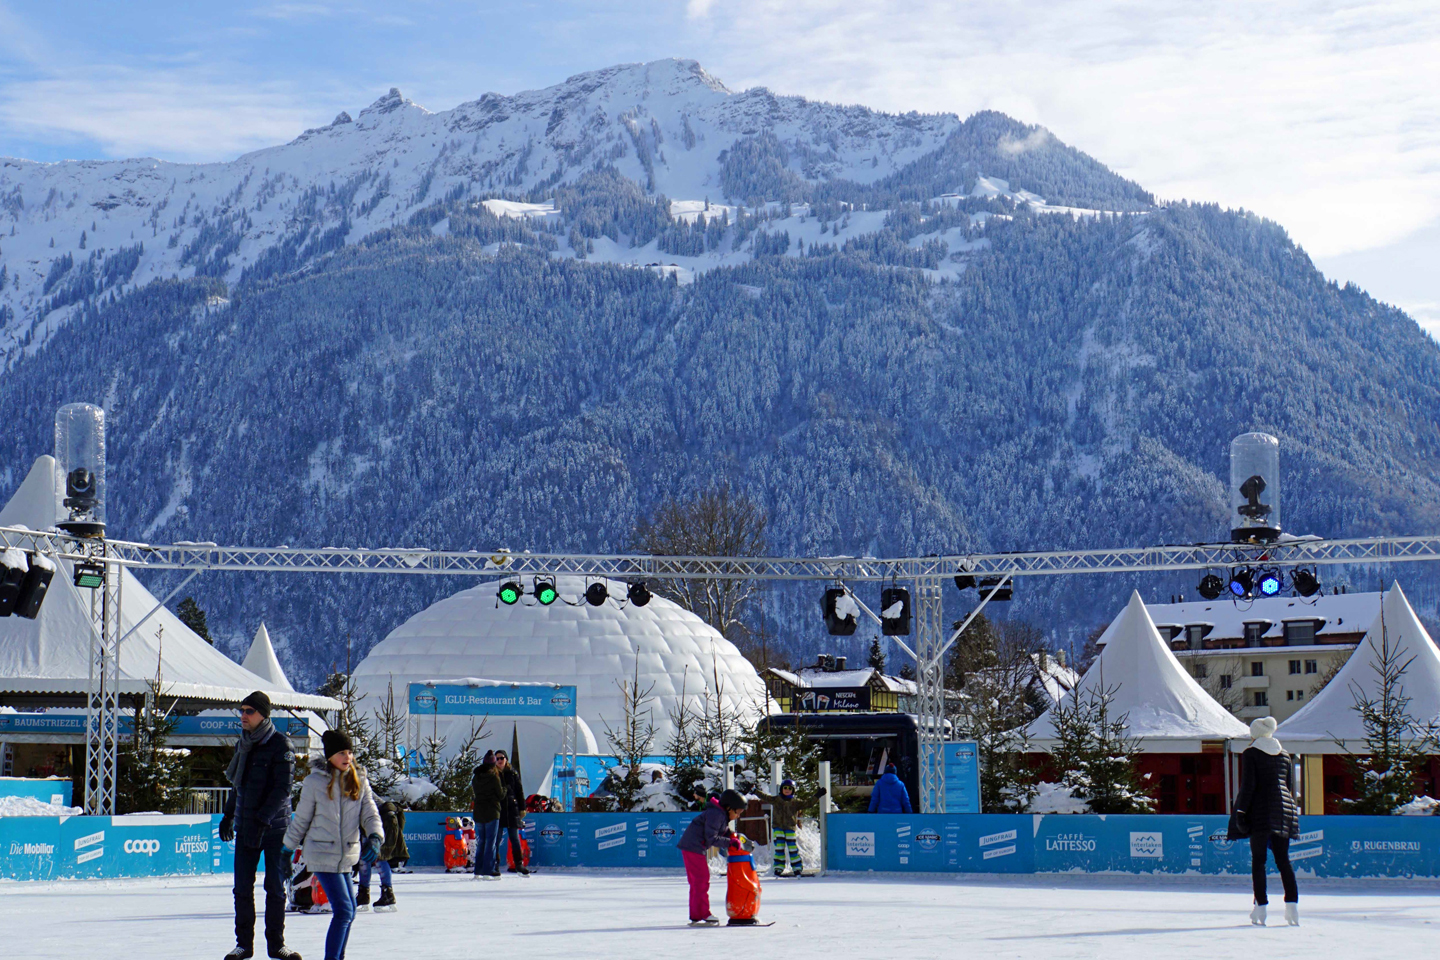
512 811
890 795
489 800
256 815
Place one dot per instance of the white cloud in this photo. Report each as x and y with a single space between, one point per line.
1321 114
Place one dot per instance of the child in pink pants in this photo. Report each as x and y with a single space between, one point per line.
710 829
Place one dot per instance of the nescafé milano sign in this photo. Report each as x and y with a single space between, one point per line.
822 699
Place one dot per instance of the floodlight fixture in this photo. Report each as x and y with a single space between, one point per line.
597 593
35 586
1305 582
1270 583
990 589
841 612
545 591
964 581
1211 587
895 612
89 575
510 593
1242 583
638 594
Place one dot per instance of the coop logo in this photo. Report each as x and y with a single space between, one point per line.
426 699
1070 843
860 844
192 844
1148 845
147 847
663 833
551 833
32 849
927 839
559 701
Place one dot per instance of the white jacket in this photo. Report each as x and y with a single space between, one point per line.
331 829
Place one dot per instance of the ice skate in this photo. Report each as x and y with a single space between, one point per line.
1257 915
1292 914
386 903
707 922
284 953
240 953
362 900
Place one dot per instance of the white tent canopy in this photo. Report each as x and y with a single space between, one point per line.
1168 712
262 662
47 660
1331 715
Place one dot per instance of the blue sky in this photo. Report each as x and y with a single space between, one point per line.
1323 115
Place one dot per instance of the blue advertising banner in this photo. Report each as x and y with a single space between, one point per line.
45 789
931 843
74 724
509 700
962 776
140 845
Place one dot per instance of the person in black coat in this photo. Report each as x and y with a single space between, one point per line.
1265 806
257 813
512 812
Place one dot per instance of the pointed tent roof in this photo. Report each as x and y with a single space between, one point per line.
262 662
1168 711
48 659
1331 714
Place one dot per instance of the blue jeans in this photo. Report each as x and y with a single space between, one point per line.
384 867
342 903
486 833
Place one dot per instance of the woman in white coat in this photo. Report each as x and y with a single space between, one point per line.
338 824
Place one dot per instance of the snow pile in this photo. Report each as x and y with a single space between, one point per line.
846 608
1419 807
413 789
30 807
1056 798
14 558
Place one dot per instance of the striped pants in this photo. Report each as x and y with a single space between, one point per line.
785 843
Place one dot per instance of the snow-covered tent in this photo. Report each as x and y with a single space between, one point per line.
1168 711
262 662
472 634
1331 715
46 661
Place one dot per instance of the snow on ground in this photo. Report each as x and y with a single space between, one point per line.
523 211
622 914
31 807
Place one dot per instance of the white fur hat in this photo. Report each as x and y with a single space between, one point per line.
1262 727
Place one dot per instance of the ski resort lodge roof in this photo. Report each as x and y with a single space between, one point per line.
1331 716
46 661
1168 712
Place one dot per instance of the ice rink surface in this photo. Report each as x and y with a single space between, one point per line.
640 915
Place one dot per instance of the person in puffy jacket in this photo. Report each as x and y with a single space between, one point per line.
785 811
512 815
890 795
256 813
710 828
1265 804
339 826
488 793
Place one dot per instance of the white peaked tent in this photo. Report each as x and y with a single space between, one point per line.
1331 716
46 661
1168 711
262 662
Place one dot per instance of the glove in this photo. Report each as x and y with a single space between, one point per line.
287 863
820 793
371 853
227 828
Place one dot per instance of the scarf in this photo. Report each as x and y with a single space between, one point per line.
1266 745
248 739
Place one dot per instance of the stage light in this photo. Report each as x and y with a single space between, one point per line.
1270 583
89 575
963 582
510 592
639 594
1211 587
895 612
596 594
840 612
1242 582
545 591
990 589
1305 582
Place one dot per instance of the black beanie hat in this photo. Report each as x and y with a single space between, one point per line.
335 741
731 800
259 702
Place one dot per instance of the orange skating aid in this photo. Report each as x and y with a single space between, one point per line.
742 889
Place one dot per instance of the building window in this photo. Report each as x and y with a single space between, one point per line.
1257 668
1224 681
1311 667
1195 634
1300 632
1294 666
1200 671
1289 694
1253 631
1299 694
1262 699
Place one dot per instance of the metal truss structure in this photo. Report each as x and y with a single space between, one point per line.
927 574
102 701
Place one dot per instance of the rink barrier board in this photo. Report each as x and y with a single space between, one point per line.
45 789
139 845
1328 846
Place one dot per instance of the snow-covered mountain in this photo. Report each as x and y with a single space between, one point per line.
78 231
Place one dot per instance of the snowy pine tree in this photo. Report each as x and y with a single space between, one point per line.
1096 759
152 776
190 614
877 655
631 741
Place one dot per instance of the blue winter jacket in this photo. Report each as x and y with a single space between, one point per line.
711 828
890 796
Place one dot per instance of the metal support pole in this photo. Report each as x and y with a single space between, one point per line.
102 707
567 761
824 816
930 678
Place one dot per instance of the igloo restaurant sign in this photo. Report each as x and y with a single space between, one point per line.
465 698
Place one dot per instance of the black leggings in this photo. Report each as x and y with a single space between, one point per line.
1280 846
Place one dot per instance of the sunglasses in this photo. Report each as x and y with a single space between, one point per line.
248 711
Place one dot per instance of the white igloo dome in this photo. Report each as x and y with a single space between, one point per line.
472 634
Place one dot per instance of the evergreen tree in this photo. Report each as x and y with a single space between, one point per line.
877 655
1097 759
631 741
190 614
686 745
152 777
994 709
1397 746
